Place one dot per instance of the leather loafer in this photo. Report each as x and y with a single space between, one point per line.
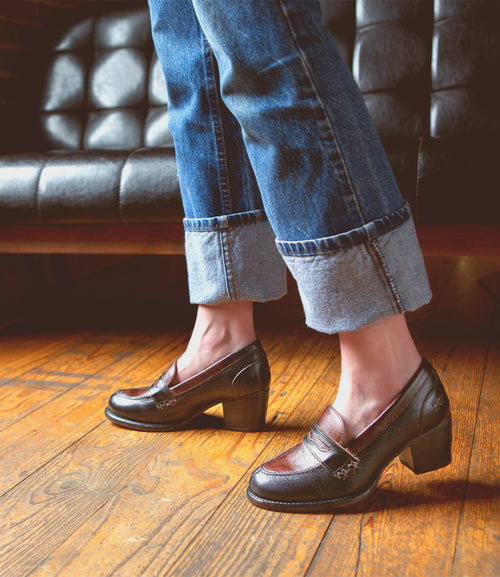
239 381
322 473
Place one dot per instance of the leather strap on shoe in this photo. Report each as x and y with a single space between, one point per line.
339 461
160 392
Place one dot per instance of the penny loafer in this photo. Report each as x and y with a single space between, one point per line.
322 473
239 381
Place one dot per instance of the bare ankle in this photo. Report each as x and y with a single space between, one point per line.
377 362
219 331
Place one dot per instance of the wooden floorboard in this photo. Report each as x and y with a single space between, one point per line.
479 522
79 496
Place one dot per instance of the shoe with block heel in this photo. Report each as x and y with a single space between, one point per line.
239 381
323 473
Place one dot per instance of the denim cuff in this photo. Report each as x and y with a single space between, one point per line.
233 258
353 279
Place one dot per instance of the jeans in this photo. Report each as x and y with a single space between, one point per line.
280 166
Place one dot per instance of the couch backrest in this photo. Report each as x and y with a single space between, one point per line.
104 86
426 68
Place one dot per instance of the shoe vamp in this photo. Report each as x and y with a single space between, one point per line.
296 460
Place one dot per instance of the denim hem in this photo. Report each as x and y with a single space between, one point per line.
361 235
233 258
224 222
345 286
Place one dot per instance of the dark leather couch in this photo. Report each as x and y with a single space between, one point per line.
87 162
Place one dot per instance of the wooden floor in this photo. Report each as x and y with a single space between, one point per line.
80 497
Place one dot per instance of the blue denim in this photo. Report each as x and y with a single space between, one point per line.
279 165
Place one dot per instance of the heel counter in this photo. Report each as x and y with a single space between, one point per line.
436 407
253 378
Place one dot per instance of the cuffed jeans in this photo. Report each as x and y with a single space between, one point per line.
280 166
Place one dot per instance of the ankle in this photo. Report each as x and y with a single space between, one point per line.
227 327
377 362
219 331
360 406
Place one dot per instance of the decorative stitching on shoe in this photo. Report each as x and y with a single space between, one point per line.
335 449
346 470
167 403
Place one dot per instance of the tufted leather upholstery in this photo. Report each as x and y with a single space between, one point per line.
107 154
427 71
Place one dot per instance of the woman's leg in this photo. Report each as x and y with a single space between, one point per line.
287 98
231 254
219 330
341 224
324 178
377 362
230 250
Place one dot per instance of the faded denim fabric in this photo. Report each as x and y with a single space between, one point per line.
232 258
360 277
268 122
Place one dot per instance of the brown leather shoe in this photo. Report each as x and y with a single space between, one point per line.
239 381
322 474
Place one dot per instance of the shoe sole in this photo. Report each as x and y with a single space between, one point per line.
152 427
310 506
233 409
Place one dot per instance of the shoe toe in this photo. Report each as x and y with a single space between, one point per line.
264 487
127 403
281 488
261 483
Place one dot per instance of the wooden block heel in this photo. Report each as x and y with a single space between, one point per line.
246 413
430 451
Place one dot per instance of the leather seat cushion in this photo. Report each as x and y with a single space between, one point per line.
105 186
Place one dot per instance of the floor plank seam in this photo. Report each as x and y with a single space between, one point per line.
490 332
318 548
